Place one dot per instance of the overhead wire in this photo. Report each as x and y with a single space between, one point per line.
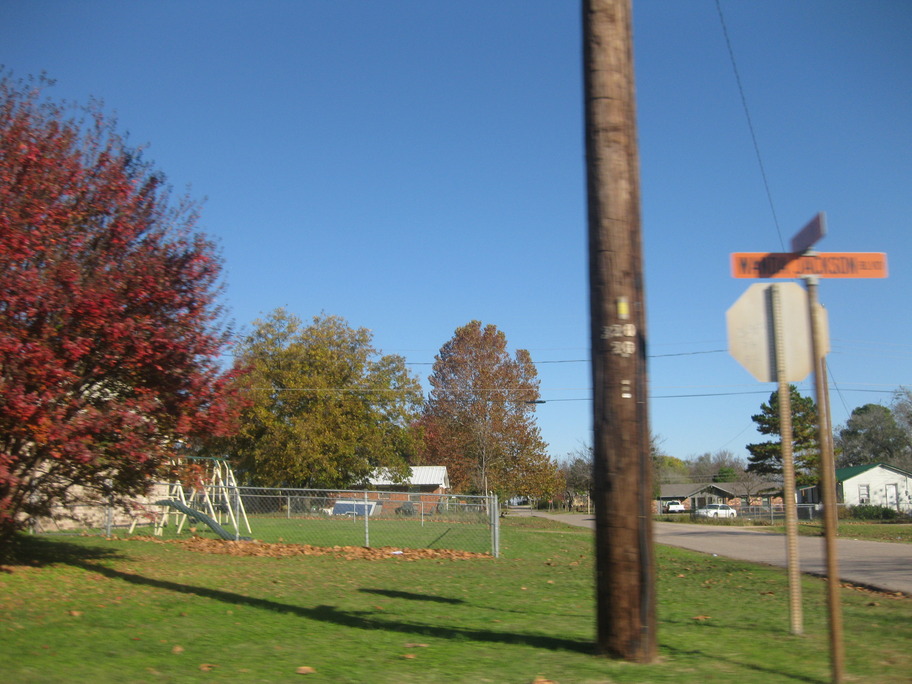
750 122
763 174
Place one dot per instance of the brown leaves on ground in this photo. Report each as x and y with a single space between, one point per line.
874 591
264 550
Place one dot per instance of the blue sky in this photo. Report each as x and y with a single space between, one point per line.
414 165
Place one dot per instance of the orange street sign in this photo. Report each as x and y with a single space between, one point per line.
822 265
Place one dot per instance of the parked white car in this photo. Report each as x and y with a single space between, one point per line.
716 511
674 507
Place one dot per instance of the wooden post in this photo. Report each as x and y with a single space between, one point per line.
625 569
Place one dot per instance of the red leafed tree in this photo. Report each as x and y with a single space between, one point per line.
108 315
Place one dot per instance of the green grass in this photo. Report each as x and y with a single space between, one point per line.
466 533
856 529
91 609
850 529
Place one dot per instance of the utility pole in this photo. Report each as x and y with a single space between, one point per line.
625 567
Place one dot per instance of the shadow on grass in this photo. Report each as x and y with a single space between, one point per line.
777 675
366 620
442 535
39 552
389 593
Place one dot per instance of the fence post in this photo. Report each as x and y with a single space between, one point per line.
495 525
366 523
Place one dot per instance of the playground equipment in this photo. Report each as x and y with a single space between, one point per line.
212 497
201 517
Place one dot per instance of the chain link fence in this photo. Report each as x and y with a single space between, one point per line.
295 516
775 514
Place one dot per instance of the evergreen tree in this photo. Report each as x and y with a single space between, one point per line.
766 457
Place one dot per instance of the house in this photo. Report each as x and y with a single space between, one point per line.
737 494
422 479
87 509
877 484
421 492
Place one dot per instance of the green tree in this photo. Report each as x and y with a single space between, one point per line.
479 419
766 457
326 408
666 469
721 466
872 435
670 469
726 474
901 407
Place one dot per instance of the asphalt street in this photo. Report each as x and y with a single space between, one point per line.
878 565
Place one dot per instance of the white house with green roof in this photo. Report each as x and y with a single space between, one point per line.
877 484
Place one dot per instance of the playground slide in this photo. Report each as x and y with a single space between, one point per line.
201 517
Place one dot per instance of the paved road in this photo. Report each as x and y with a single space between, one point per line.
880 565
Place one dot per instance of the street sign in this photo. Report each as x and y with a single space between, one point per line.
821 264
810 234
751 337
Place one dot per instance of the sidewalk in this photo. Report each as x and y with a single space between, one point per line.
878 565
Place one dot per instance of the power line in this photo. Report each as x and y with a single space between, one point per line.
750 123
695 353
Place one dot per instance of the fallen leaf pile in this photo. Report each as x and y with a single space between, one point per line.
260 549
877 592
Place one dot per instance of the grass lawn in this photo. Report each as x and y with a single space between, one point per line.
857 529
471 534
91 609
467 531
850 529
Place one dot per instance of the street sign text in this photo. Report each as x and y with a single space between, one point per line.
822 265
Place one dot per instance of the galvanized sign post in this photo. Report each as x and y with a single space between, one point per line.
770 335
802 263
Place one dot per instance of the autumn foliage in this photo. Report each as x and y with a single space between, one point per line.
108 314
326 408
479 420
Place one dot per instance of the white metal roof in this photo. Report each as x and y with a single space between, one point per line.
420 475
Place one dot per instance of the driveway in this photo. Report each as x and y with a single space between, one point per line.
879 565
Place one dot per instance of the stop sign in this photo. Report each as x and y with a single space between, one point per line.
752 333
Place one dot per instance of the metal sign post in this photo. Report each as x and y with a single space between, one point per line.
769 334
788 467
800 263
828 487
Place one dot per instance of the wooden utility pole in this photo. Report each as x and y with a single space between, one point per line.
625 568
